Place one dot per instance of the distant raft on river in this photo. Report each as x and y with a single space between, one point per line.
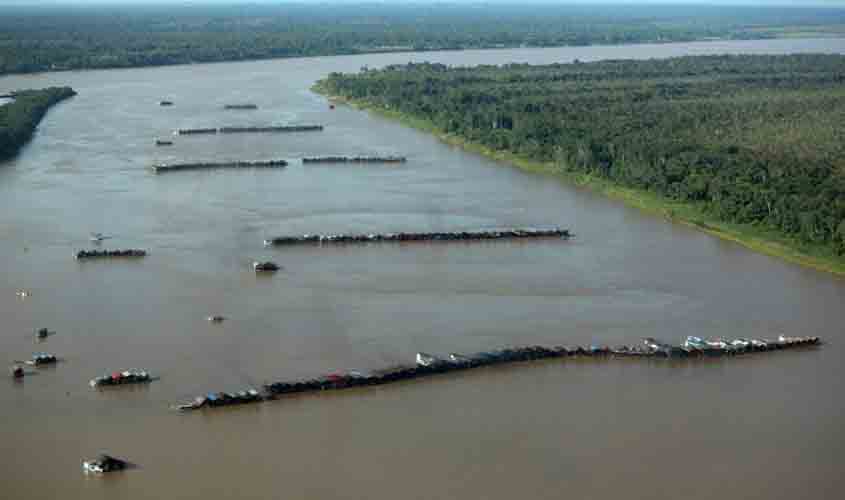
504 234
172 167
102 254
240 106
428 365
355 159
241 130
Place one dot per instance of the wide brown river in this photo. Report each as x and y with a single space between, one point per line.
766 426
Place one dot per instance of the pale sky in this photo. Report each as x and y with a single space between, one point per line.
791 3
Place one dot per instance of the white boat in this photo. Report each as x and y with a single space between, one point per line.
97 237
265 266
428 360
216 319
103 463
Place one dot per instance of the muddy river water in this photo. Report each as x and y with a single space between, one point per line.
768 426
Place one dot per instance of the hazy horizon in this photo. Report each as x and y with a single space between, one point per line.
757 3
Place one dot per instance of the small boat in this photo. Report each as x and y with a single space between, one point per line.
428 360
43 333
216 319
23 294
165 103
17 371
121 378
98 237
163 142
42 359
265 266
104 463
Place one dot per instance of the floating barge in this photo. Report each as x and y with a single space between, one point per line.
244 130
127 377
286 128
428 365
195 131
355 159
240 106
99 254
172 167
505 234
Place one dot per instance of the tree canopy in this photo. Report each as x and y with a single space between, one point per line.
19 118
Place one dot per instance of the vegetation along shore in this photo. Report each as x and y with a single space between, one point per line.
62 37
19 118
748 148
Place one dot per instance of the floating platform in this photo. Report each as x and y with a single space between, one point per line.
505 234
240 106
428 365
165 103
195 131
163 142
355 159
172 167
127 377
101 254
246 130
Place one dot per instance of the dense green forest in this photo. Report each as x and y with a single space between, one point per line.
19 118
756 140
55 38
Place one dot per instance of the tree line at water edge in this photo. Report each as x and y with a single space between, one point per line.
750 139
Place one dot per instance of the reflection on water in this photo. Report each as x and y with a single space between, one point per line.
767 426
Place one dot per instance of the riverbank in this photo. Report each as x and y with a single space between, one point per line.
759 239
20 118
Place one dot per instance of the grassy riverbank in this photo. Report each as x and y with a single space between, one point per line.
757 238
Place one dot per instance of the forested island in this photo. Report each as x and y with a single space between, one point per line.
19 118
45 38
748 147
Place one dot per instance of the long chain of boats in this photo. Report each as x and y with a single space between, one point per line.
161 168
239 130
101 254
428 365
172 167
503 234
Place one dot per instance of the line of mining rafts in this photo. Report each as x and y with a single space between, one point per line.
428 365
172 167
354 159
104 254
504 234
237 130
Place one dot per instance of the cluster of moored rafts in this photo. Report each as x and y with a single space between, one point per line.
172 167
505 234
354 159
122 378
98 254
240 130
427 364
